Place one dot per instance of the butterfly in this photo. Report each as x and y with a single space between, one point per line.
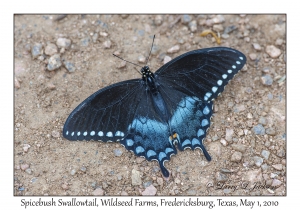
161 112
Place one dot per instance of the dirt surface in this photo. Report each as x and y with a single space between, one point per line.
247 138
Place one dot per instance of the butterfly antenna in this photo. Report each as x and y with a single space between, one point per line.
150 49
127 61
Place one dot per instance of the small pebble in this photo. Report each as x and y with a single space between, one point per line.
141 32
249 116
218 19
85 41
98 191
215 138
17 83
26 147
185 19
226 191
69 66
266 69
28 171
279 42
265 154
50 49
224 36
118 53
264 167
83 169
155 50
262 120
147 184
104 185
256 46
122 64
107 44
55 134
218 27
95 37
191 192
223 142
123 193
141 59
239 147
193 25
174 49
135 177
34 179
64 187
276 182
270 131
267 80
104 34
160 181
220 177
37 50
51 86
229 133
252 56
258 129
119 177
167 59
270 96
93 184
151 190
236 157
117 152
258 160
54 62
229 29
253 176
273 51
63 43
24 167
158 20
278 167
239 108
273 175
73 172
280 153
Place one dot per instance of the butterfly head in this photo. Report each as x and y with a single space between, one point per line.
146 73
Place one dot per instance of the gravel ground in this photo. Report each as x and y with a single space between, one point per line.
60 60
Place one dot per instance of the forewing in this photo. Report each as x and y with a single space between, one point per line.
104 115
202 73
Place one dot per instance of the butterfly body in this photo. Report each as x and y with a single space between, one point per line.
165 110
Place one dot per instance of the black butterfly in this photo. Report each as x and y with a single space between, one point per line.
150 115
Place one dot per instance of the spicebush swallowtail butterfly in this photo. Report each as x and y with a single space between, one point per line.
172 106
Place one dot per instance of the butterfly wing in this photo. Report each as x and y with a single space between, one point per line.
190 118
148 133
105 115
150 136
203 73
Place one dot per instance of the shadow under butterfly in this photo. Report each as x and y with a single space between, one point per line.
172 106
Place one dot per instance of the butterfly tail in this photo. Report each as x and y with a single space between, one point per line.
207 156
163 169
